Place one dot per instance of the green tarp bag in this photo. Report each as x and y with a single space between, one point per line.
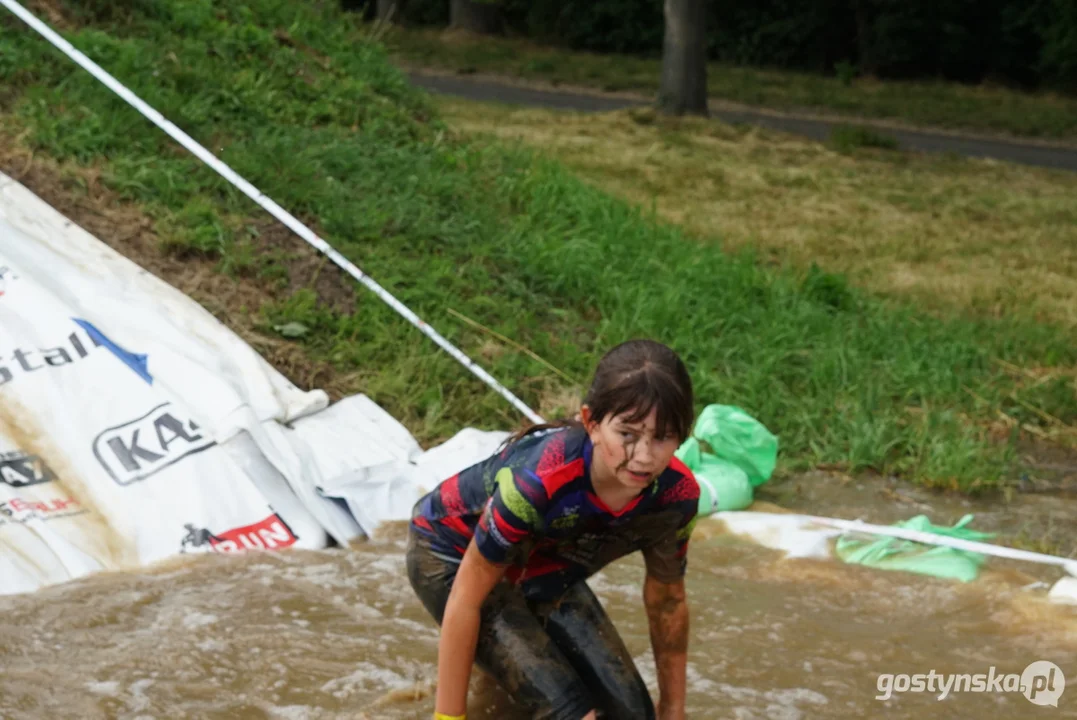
730 453
897 554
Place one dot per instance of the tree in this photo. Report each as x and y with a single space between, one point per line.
864 41
477 16
683 87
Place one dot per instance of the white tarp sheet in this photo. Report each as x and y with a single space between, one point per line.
135 426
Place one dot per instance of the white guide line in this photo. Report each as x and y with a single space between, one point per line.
926 538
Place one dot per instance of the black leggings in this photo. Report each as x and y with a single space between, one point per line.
557 660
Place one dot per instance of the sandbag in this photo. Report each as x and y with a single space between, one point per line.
897 554
730 453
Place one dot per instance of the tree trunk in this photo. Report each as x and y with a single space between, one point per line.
476 17
684 59
868 65
391 10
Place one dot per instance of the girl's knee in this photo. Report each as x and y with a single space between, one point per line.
590 716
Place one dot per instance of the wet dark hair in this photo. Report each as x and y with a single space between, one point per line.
637 376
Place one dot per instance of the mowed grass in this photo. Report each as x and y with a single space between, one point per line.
948 234
990 109
296 98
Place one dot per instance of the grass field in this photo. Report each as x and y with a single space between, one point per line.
948 234
987 109
294 98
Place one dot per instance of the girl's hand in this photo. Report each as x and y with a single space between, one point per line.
670 714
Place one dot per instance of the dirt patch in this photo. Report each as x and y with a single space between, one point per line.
306 268
97 531
1051 469
79 195
51 12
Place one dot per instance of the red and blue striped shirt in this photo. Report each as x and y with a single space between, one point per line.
532 506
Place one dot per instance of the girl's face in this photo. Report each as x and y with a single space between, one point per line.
628 452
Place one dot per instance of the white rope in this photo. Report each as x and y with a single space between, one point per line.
255 194
857 526
799 534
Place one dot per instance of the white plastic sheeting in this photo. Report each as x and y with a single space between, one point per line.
134 426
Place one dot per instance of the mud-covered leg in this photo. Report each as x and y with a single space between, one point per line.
515 650
512 648
587 637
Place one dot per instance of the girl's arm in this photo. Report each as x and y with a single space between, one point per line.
667 614
475 579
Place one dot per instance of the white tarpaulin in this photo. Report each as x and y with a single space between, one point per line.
135 426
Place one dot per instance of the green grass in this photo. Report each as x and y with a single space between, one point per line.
942 232
954 106
847 138
295 99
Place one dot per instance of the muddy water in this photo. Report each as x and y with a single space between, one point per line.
337 634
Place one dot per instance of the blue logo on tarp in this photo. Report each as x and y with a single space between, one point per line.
137 362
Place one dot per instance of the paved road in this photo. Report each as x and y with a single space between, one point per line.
1060 158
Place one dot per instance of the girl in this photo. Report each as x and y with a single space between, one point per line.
499 553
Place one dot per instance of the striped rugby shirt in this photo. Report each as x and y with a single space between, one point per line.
532 507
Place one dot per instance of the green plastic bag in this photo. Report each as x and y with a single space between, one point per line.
898 554
730 453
